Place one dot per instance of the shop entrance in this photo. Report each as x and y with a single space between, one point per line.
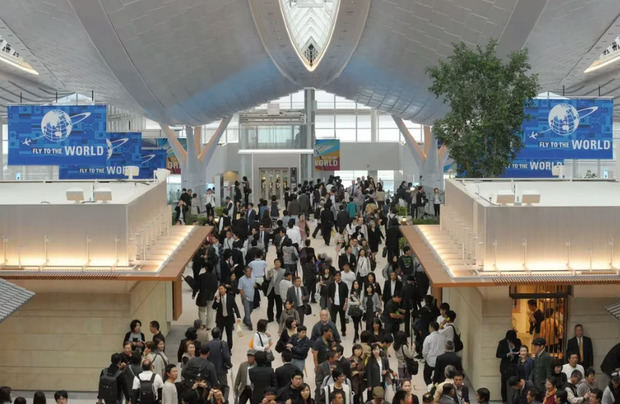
541 311
273 181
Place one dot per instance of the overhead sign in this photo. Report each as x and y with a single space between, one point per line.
531 169
150 161
327 155
568 129
124 149
55 135
172 162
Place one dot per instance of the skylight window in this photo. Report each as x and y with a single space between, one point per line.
610 55
10 56
310 24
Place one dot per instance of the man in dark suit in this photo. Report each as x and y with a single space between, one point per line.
391 287
520 388
542 364
230 208
262 238
323 370
327 222
285 372
225 311
219 355
261 376
342 219
347 258
299 295
250 215
242 387
445 359
206 286
462 391
338 294
581 345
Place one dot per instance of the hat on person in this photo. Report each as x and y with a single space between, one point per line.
251 352
539 341
378 392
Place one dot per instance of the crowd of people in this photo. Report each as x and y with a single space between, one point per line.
386 309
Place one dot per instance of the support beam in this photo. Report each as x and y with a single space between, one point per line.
209 148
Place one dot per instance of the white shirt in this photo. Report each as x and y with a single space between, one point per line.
264 346
392 287
285 285
568 370
363 266
433 346
380 363
145 375
294 234
228 243
447 331
348 278
169 394
337 294
258 268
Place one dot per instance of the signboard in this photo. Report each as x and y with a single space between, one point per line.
531 168
125 149
150 161
172 163
55 135
568 129
327 155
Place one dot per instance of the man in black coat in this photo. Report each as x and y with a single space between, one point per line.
347 258
261 376
207 286
520 388
285 372
299 296
447 358
225 311
338 294
219 355
391 287
327 222
392 235
342 219
582 346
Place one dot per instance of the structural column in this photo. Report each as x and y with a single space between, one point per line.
307 142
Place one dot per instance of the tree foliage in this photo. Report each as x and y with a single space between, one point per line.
487 96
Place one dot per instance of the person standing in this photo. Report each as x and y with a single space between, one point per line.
243 386
433 346
299 295
338 294
436 201
581 345
247 289
207 286
508 353
225 310
275 276
542 364
169 391
327 222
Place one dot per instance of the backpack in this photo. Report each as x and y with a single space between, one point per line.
191 371
146 395
458 343
108 385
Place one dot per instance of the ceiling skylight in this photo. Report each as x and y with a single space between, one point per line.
610 55
310 24
9 56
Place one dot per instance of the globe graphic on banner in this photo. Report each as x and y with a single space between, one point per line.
56 125
563 119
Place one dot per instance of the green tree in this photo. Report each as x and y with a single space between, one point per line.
487 96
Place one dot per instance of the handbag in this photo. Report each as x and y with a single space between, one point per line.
308 309
384 253
355 311
411 364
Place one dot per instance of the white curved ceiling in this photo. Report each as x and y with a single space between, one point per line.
194 61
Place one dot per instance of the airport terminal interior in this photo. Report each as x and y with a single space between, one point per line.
309 201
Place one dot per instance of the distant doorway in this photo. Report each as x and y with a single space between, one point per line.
541 311
273 181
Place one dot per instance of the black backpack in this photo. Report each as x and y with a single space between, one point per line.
146 394
458 343
108 385
191 371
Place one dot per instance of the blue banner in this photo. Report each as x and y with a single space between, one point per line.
531 168
54 135
124 149
568 129
150 161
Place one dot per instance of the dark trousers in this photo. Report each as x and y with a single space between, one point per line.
301 310
246 395
226 324
436 208
428 373
327 234
407 319
334 311
210 210
356 327
316 230
271 299
310 284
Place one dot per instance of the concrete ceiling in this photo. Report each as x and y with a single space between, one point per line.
194 61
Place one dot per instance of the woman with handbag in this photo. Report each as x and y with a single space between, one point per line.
404 355
355 309
286 334
262 340
371 305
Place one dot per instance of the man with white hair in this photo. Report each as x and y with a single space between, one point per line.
324 320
